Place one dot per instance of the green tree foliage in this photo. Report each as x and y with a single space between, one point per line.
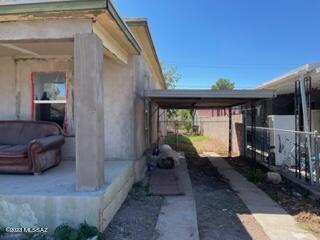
223 84
186 117
171 76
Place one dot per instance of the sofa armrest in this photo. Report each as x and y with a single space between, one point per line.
40 154
46 143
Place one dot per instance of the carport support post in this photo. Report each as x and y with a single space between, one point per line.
158 126
253 137
89 112
230 134
244 132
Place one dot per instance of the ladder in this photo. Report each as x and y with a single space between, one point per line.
303 123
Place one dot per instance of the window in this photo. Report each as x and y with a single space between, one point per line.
49 97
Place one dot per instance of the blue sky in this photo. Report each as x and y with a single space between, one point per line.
247 41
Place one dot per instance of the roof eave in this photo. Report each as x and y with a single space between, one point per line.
143 22
123 26
72 5
28 8
302 70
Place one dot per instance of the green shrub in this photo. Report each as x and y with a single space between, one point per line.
2 231
89 231
255 176
65 232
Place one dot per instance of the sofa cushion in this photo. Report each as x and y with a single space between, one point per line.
14 151
23 132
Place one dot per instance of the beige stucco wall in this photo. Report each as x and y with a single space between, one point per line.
124 85
119 109
16 93
16 86
218 128
7 88
126 137
144 80
44 29
25 68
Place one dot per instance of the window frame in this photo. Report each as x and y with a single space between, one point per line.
65 102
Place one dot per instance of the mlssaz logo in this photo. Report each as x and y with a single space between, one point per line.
24 230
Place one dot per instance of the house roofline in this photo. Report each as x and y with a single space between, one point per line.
72 5
144 22
49 6
304 69
123 26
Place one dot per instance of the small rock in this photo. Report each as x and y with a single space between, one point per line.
93 238
274 177
296 194
283 189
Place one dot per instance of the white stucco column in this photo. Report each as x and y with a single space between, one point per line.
89 112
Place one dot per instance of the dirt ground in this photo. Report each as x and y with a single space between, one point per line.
137 217
295 201
200 144
221 213
211 145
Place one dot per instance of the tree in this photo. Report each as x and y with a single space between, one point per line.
171 76
223 84
186 116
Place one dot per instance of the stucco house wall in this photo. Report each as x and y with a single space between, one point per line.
119 110
144 80
7 86
126 136
124 87
88 44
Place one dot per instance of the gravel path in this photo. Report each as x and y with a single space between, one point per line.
137 217
221 213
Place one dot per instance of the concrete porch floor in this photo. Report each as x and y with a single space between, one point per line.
50 199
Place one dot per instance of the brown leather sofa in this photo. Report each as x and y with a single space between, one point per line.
29 146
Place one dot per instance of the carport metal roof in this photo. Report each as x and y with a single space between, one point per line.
184 99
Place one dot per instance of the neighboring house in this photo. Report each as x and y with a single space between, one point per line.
216 112
92 67
214 123
289 112
284 103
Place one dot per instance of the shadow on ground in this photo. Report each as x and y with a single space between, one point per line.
292 198
221 213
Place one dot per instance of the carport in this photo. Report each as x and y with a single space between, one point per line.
206 99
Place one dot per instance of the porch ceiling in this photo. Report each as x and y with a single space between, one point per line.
36 48
205 99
